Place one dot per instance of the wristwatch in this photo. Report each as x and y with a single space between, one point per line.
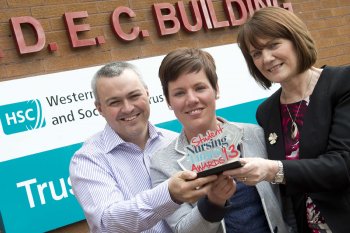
279 177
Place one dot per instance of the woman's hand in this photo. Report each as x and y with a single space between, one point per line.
254 171
221 190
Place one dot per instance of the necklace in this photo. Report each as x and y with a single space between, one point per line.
294 127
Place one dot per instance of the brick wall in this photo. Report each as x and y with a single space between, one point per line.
329 23
328 20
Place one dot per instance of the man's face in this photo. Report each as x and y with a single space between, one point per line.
124 103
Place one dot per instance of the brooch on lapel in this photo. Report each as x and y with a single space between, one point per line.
273 138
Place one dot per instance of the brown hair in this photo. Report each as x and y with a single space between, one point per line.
275 22
185 61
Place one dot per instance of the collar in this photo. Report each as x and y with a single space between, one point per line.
112 140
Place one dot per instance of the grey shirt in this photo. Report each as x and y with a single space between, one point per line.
188 218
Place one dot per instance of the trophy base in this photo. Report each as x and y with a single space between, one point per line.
220 169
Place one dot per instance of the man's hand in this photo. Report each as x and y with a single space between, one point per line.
184 187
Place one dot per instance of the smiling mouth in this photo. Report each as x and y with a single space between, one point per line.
195 111
276 67
130 118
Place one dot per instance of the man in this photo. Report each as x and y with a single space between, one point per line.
110 173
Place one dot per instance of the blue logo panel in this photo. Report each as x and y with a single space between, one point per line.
38 196
21 116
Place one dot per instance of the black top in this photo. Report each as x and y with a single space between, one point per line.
323 170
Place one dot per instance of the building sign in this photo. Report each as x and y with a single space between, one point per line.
168 19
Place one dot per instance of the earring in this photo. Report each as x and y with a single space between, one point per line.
217 96
170 108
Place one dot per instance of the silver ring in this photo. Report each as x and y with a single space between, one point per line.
244 179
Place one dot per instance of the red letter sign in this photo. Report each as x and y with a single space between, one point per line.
74 29
116 24
242 10
161 19
214 19
196 16
17 31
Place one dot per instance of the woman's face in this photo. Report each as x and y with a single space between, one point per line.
192 98
277 60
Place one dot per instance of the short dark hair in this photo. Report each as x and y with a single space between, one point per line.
112 70
185 61
276 22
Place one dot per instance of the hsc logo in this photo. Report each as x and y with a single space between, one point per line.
21 116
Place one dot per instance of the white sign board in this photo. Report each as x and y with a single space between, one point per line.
44 120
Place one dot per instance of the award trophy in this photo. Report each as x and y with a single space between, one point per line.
214 152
